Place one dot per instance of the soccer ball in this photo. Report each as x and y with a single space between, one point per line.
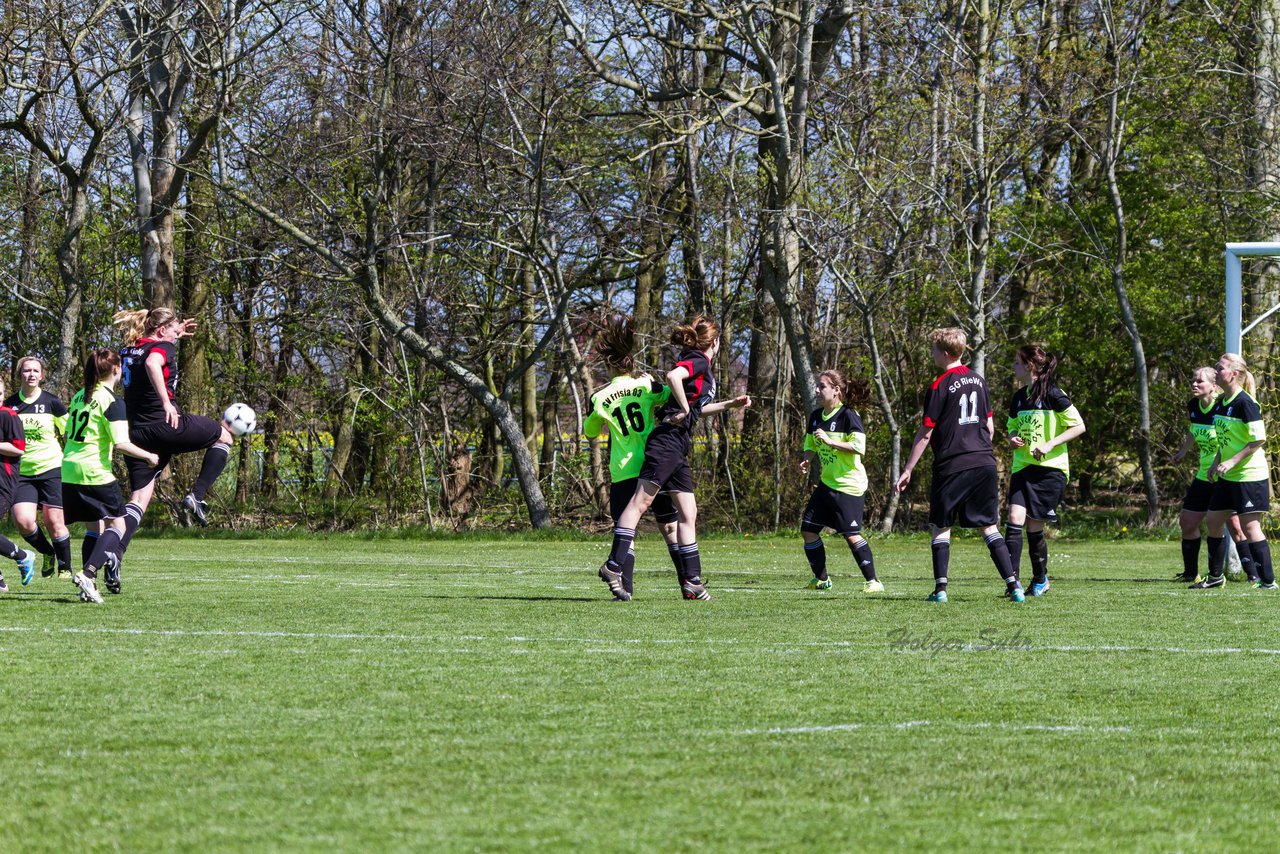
240 418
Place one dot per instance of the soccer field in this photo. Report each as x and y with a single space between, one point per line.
348 695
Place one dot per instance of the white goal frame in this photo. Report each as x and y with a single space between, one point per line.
1236 330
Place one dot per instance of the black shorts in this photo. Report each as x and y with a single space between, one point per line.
1197 498
194 433
968 498
666 459
620 493
84 503
830 508
7 487
42 490
1248 496
1039 489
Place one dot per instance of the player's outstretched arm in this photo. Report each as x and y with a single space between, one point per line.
923 435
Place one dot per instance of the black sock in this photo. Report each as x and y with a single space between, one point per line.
1217 555
1000 557
629 570
941 562
1013 542
8 549
62 551
86 547
692 562
132 519
862 554
677 559
39 541
623 540
816 553
215 460
108 544
1191 557
1038 550
1248 563
1262 561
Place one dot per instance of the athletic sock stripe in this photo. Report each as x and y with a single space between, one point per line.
991 538
816 545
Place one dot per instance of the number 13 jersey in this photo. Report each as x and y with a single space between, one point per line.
626 407
957 407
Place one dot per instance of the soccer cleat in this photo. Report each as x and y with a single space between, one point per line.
111 574
64 573
816 583
939 596
1038 588
48 567
27 567
4 588
1186 579
614 580
693 588
88 591
873 586
199 510
1209 583
1262 585
1016 595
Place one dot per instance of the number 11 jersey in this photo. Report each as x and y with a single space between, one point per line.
626 407
957 407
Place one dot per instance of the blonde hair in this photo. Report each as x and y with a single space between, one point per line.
1206 371
135 324
699 334
22 363
1236 363
951 340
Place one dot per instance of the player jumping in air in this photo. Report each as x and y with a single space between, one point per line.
1041 422
39 492
666 461
957 425
837 440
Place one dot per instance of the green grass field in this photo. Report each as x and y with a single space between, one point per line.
343 695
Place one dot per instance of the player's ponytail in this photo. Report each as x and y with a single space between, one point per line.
1044 370
136 324
97 369
699 334
616 345
1235 362
854 391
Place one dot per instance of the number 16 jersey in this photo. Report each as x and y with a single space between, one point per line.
626 407
957 407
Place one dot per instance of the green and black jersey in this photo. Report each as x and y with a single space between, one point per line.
626 407
1203 433
1041 420
841 470
93 430
1238 421
43 418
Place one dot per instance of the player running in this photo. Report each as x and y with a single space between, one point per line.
150 366
39 491
13 445
1195 503
837 440
1240 476
625 410
1042 420
97 424
958 426
666 460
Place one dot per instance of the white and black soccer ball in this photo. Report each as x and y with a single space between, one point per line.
240 418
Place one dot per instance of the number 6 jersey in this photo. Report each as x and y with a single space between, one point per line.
626 407
957 407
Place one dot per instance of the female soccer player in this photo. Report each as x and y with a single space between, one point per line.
150 366
1195 504
96 424
1041 422
837 440
625 410
666 456
12 446
1240 476
39 491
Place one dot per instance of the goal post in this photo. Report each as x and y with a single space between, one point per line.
1236 330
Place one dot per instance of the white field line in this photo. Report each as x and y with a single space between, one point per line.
950 725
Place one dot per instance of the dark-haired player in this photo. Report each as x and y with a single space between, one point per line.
957 425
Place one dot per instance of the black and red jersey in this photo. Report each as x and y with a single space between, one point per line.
11 431
699 388
957 407
144 405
